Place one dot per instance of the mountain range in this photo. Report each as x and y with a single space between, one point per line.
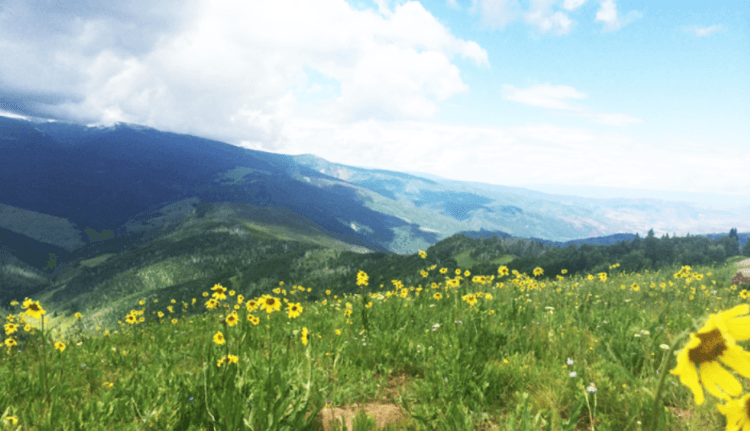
64 182
72 194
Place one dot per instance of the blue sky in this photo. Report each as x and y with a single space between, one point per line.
605 93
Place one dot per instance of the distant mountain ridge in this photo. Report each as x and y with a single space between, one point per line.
130 180
526 213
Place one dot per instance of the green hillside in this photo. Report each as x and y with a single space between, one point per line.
464 259
252 249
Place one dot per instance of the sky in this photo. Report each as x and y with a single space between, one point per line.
590 93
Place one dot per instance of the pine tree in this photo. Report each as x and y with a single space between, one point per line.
650 248
732 243
746 248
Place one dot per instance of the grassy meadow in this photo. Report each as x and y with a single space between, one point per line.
458 351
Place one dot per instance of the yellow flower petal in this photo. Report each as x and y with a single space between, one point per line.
687 372
739 328
737 359
718 381
737 413
730 322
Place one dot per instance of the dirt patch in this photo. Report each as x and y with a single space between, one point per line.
744 267
383 414
396 384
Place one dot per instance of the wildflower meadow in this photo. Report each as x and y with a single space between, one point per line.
459 351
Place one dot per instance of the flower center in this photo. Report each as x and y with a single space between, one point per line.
712 345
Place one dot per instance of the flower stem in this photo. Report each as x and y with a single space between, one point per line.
660 386
44 361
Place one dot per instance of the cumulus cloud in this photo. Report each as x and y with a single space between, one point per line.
540 16
453 4
573 4
50 44
226 69
607 14
496 14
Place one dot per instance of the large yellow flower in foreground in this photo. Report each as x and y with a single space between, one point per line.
716 341
737 413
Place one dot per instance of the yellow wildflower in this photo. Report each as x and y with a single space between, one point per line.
362 278
737 412
716 341
219 338
219 292
232 319
33 309
294 310
269 304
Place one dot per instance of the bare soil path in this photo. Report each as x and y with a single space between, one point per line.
744 267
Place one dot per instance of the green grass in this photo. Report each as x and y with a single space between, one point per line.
91 263
464 259
502 363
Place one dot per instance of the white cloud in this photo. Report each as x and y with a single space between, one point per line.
497 13
383 7
453 4
12 115
573 4
231 69
540 16
50 43
607 14
551 97
545 95
705 31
